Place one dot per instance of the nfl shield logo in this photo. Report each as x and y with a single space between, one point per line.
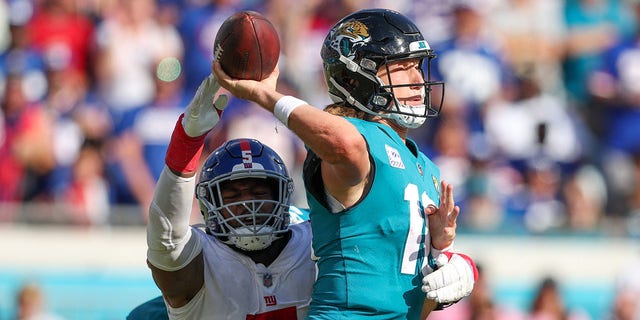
267 280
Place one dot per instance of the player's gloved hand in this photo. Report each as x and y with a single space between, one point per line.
200 116
452 280
202 113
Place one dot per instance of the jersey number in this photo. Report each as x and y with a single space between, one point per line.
246 156
417 229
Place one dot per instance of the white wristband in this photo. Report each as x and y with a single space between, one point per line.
285 105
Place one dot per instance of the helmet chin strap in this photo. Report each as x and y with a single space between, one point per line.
248 240
406 120
407 116
411 117
350 99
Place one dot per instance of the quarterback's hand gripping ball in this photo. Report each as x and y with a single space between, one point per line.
247 46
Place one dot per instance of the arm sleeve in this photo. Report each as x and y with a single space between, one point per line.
170 240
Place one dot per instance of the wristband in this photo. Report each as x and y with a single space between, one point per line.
435 253
184 151
285 105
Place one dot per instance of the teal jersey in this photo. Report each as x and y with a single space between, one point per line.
298 215
154 309
372 255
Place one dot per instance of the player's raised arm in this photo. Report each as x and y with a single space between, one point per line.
337 142
173 254
247 49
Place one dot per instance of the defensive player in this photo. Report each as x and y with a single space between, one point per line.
248 261
379 210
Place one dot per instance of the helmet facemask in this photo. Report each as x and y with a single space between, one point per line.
386 104
249 225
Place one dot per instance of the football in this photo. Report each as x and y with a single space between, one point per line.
247 46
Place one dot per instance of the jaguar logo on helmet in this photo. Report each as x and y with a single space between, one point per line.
354 29
349 36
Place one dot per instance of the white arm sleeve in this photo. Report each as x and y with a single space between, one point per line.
170 241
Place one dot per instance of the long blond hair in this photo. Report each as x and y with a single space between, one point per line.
341 109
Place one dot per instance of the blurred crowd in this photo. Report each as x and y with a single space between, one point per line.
540 130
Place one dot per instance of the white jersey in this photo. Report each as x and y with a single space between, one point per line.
237 288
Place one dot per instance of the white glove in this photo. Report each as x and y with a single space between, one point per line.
452 281
202 114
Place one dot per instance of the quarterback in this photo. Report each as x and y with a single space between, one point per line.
381 216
